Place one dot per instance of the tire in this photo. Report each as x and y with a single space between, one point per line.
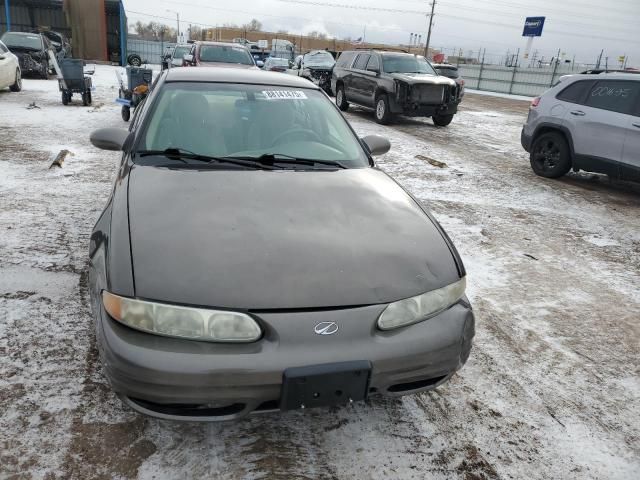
17 86
550 155
382 111
89 97
341 98
44 72
442 120
126 113
66 98
134 60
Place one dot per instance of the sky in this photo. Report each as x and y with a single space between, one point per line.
573 27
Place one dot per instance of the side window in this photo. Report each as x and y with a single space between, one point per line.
345 60
361 61
374 64
3 48
614 95
576 92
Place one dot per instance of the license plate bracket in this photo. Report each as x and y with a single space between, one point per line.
325 385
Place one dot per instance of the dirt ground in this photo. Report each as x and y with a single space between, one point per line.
552 388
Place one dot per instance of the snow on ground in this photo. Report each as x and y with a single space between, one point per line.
551 390
498 94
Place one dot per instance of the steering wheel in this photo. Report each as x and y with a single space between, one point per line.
310 134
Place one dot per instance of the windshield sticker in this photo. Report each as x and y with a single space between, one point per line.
284 95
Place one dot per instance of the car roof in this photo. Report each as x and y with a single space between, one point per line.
220 44
600 76
236 75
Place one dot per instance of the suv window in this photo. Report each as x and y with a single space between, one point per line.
225 54
576 92
374 64
344 61
614 95
3 49
361 61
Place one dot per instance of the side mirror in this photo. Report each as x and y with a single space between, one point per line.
260 63
376 144
373 70
114 139
188 58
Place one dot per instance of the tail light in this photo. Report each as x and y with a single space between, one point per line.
535 102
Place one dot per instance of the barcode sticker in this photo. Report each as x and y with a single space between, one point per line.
284 95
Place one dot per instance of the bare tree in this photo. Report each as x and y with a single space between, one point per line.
253 26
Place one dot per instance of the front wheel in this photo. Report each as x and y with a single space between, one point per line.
442 120
66 98
126 113
44 71
17 85
550 155
383 112
341 99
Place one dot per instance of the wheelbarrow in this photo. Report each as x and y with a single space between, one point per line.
137 88
71 79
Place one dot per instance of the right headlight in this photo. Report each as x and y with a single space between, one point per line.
416 309
182 322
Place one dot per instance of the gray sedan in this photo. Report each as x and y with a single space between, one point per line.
252 258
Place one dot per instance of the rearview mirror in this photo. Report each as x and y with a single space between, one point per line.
376 144
113 139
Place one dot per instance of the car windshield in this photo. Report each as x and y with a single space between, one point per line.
240 120
181 51
404 63
278 62
319 59
19 40
449 72
225 54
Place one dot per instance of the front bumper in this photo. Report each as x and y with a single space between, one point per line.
28 64
198 381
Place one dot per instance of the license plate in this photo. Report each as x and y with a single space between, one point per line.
325 385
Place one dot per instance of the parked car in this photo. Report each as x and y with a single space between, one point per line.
587 122
316 66
250 257
177 56
450 71
207 54
32 51
10 74
59 42
392 83
273 64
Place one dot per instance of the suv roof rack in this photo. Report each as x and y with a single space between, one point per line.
385 49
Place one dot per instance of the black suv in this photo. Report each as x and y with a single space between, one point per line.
394 83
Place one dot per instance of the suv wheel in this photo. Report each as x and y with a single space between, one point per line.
17 86
383 112
44 71
341 98
442 120
550 155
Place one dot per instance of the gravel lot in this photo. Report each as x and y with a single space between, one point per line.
552 388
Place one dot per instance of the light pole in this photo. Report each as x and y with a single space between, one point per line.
177 23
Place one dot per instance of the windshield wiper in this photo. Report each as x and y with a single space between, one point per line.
275 158
184 155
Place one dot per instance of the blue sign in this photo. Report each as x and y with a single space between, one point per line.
533 27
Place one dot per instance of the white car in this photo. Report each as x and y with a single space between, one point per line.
10 75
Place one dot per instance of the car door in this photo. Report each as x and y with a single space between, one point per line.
369 80
6 67
631 150
356 89
599 123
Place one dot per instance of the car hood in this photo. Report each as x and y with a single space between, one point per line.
281 239
415 78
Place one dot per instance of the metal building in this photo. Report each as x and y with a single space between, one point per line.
97 28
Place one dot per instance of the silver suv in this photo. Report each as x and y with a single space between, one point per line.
586 122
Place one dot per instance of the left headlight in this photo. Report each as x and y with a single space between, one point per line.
182 322
419 308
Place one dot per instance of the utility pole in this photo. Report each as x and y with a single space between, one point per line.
177 23
426 46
